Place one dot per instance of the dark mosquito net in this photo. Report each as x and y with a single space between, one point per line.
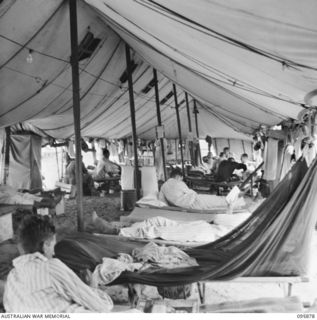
274 241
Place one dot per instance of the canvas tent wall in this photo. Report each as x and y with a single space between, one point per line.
25 162
237 147
261 78
43 94
207 54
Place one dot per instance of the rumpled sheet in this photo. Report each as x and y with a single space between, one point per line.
150 256
171 230
110 269
165 257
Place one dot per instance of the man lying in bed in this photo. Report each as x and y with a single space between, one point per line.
40 283
175 192
171 230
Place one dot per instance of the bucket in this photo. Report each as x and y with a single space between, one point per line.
128 200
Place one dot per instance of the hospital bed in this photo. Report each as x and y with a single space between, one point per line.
175 213
286 283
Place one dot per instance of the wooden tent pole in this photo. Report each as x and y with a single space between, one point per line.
197 130
159 120
7 155
191 148
179 127
76 111
132 114
188 113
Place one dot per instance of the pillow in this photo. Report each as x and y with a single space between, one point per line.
151 200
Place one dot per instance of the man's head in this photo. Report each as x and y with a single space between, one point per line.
231 159
106 153
177 174
37 234
226 152
221 156
244 158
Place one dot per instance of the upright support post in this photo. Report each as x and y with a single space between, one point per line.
188 113
7 155
197 130
76 111
132 113
196 118
189 127
159 120
179 128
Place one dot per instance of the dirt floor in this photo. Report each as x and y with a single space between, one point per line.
108 208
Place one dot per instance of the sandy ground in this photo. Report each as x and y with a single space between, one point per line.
109 209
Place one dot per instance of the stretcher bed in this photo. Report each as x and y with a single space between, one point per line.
141 214
175 213
260 305
286 282
181 245
206 184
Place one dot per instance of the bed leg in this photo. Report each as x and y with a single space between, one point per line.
202 291
289 289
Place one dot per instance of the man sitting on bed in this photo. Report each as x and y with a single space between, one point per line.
41 283
105 167
175 192
226 169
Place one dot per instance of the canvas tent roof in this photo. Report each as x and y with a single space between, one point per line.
247 63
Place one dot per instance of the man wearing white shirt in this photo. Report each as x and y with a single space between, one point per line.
175 192
40 283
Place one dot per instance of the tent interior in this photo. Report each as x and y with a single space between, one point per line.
244 72
241 80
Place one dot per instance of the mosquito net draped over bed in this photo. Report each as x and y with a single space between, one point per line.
274 241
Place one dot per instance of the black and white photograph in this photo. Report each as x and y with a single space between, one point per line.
158 157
